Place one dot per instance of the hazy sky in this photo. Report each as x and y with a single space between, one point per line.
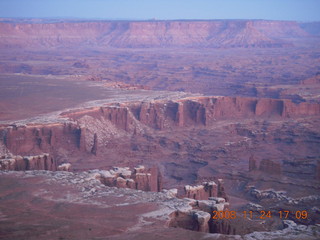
301 10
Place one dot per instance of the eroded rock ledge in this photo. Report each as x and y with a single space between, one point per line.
19 163
67 192
206 191
88 129
140 178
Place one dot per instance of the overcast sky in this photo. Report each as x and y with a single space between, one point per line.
300 10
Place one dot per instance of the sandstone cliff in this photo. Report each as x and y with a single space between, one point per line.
207 190
36 139
91 128
18 163
123 34
201 192
311 27
312 81
140 178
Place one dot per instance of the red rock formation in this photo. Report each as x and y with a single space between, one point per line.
268 107
221 191
301 168
221 226
200 217
312 81
198 111
142 181
117 115
64 167
156 179
140 178
279 29
95 144
83 136
252 164
269 166
191 113
293 109
201 192
147 179
36 139
18 163
229 33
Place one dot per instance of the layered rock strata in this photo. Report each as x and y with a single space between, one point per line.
199 218
302 168
19 163
205 191
198 111
139 178
159 115
133 34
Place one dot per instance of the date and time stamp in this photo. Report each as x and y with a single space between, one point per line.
262 215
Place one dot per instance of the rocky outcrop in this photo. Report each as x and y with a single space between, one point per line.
139 178
213 216
307 168
292 109
90 128
199 218
124 34
275 201
171 193
34 190
36 139
266 194
312 81
291 231
302 169
205 191
19 163
201 192
64 167
203 111
252 163
95 144
221 191
270 167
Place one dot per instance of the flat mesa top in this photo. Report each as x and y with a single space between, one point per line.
28 96
25 97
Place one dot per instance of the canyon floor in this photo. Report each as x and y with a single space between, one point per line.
244 112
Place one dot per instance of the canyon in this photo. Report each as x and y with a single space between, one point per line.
166 121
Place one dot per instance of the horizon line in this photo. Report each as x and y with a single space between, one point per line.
145 20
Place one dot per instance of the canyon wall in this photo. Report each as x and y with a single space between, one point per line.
197 111
297 168
90 128
19 163
36 139
123 34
